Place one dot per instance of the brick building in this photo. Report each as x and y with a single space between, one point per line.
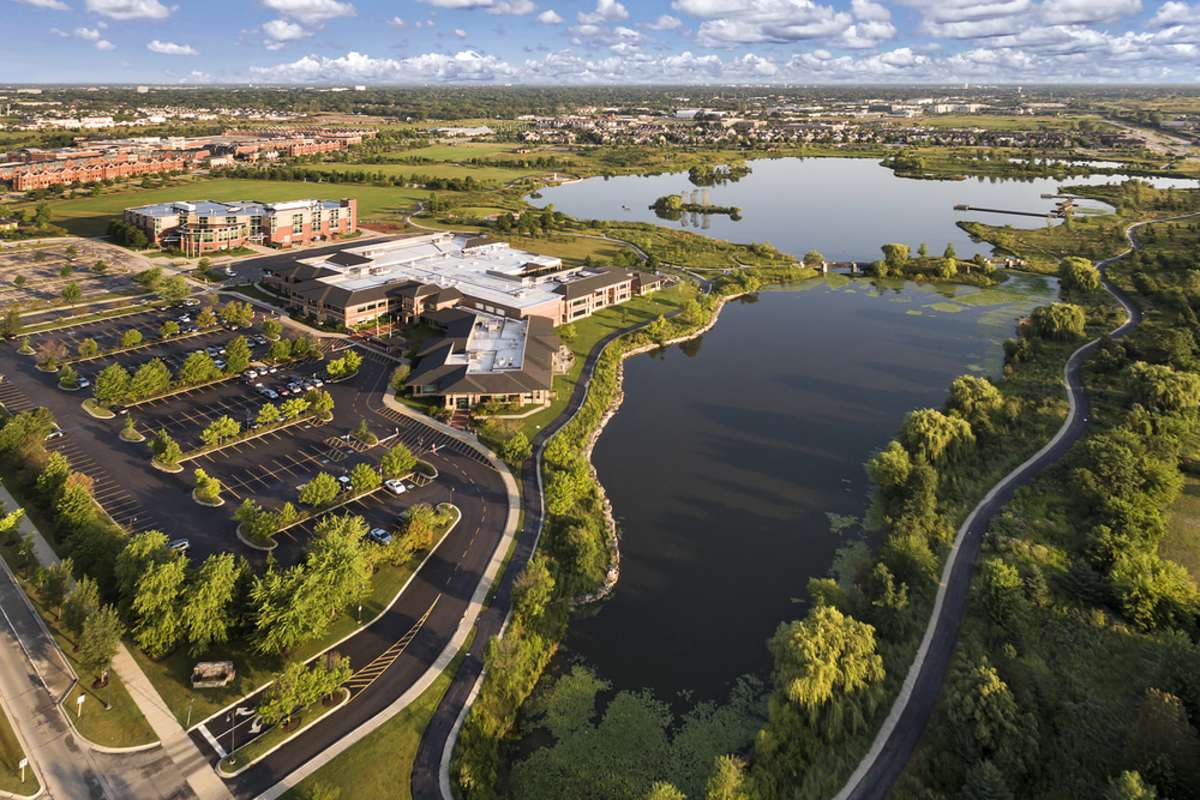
206 227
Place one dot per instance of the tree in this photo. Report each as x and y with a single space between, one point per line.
100 267
221 430
173 290
1129 786
339 564
71 252
168 329
280 350
87 348
293 408
890 467
140 552
68 377
11 324
534 588
985 781
934 437
50 353
975 399
272 328
237 313
208 488
207 318
131 338
320 403
923 250
397 462
81 603
1154 592
947 268
198 368
166 449
663 790
284 696
345 366
728 780
949 251
1078 274
1162 388
826 672
98 641
207 613
987 720
112 386
320 491
268 414
1002 591
151 379
813 259
54 582
1063 321
52 478
71 293
363 433
254 520
895 256
364 478
156 607
237 356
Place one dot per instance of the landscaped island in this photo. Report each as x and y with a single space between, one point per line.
673 206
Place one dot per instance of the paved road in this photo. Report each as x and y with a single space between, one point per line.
902 730
425 777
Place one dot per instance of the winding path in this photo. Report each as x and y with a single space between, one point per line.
896 740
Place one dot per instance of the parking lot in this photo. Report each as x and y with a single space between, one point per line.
33 275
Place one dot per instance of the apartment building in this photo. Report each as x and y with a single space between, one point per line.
202 227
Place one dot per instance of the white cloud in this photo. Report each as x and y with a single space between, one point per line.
1062 12
397 22
90 34
734 22
310 12
1173 13
870 10
56 5
606 11
665 23
549 17
460 33
862 35
171 48
129 9
514 7
104 44
282 30
462 67
60 32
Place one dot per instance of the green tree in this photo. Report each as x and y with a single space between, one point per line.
320 403
663 790
293 407
934 437
533 589
198 368
949 251
895 256
566 333
320 491
1129 786
813 259
987 719
158 624
985 781
112 386
52 478
208 488
1078 274
168 329
1063 321
207 613
272 328
68 377
221 430
151 379
976 400
81 603
237 356
364 478
1154 592
890 467
1002 591
397 462
54 583
1162 388
237 313
98 641
268 414
140 552
11 324
131 338
71 293
339 564
87 348
173 290
167 450
516 449
285 695
728 780
207 318
947 268
279 351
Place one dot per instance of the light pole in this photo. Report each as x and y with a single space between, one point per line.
231 718
360 613
191 700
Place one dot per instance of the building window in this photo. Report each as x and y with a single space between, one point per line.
297 223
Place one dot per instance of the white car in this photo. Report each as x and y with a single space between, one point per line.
179 545
344 480
191 301
395 486
84 383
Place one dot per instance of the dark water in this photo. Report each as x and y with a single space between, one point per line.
844 207
729 452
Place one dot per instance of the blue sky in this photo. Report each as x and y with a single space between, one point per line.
600 41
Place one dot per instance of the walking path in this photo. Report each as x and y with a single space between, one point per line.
901 730
187 760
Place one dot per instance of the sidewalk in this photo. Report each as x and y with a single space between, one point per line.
175 742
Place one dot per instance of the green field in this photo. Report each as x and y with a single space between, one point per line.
498 174
89 216
10 757
463 151
1182 542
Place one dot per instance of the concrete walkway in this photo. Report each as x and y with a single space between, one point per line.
186 758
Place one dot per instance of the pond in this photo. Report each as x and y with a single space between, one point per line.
735 464
844 207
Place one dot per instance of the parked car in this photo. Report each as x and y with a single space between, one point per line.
271 394
184 318
191 301
380 536
251 374
229 271
84 383
219 363
55 433
317 382
395 486
179 545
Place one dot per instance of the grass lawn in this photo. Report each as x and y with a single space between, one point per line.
379 767
464 151
1182 542
591 330
10 758
172 675
89 216
568 248
498 174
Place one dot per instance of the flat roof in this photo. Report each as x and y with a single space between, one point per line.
212 208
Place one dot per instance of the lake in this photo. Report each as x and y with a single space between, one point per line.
730 452
844 207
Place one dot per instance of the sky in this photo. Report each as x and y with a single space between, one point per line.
554 42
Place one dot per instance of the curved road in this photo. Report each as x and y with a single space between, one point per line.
905 723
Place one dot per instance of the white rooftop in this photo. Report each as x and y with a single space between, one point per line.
495 344
491 272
